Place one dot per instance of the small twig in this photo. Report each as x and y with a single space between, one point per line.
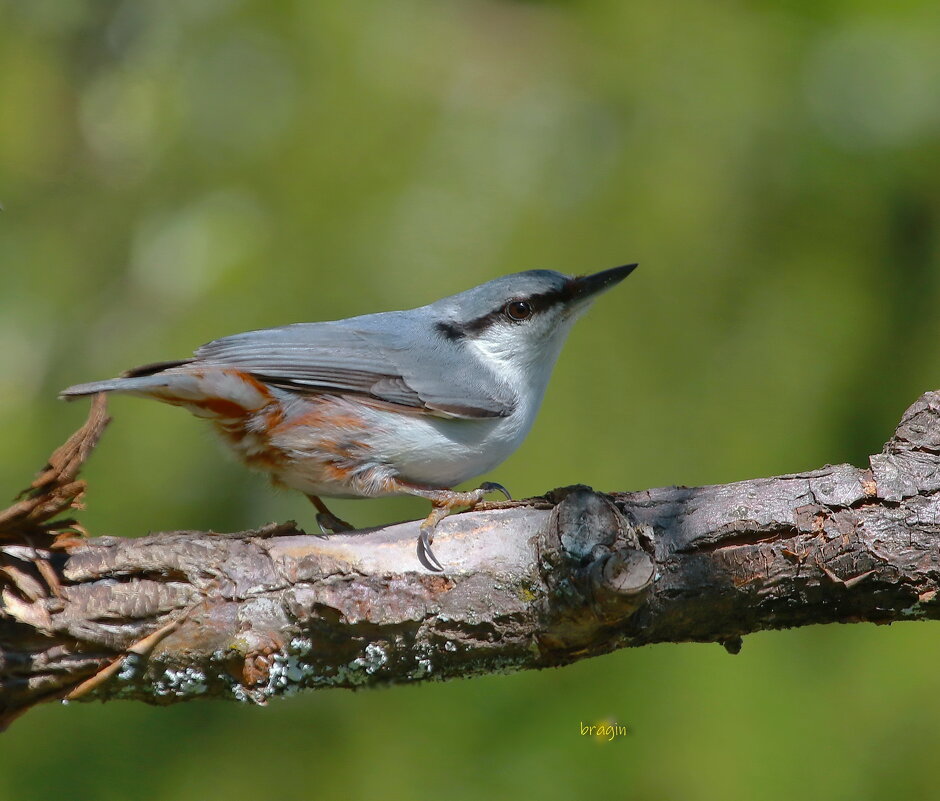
141 649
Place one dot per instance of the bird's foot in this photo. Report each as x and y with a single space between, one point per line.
492 486
326 520
444 503
331 524
425 554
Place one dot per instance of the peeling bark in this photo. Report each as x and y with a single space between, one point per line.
528 584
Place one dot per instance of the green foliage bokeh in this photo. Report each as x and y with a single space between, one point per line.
173 171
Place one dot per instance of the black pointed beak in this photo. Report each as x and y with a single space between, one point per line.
586 286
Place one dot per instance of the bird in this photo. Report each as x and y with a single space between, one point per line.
409 402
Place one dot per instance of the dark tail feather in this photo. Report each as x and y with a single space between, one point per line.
155 367
140 379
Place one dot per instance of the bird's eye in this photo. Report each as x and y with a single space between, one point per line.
518 310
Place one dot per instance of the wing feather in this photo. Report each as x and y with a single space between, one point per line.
380 355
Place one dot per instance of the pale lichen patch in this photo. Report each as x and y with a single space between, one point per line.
373 658
180 683
286 674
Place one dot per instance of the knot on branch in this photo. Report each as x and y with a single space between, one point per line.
596 565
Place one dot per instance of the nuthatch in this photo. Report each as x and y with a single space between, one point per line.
403 402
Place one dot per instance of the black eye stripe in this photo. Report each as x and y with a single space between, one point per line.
546 300
542 301
537 303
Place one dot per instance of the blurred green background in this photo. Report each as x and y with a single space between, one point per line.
177 170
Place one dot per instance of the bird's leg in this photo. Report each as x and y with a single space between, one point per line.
326 520
444 502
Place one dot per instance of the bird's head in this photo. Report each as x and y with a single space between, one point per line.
519 322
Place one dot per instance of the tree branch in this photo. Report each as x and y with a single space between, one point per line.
546 581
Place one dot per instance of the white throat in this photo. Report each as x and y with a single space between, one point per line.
521 368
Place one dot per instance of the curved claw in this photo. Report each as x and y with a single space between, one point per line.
425 554
492 486
331 524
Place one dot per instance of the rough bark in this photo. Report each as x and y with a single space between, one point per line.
546 581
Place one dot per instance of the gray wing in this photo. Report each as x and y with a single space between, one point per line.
385 356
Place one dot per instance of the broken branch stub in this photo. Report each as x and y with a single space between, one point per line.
594 566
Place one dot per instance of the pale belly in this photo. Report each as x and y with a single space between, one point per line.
337 447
